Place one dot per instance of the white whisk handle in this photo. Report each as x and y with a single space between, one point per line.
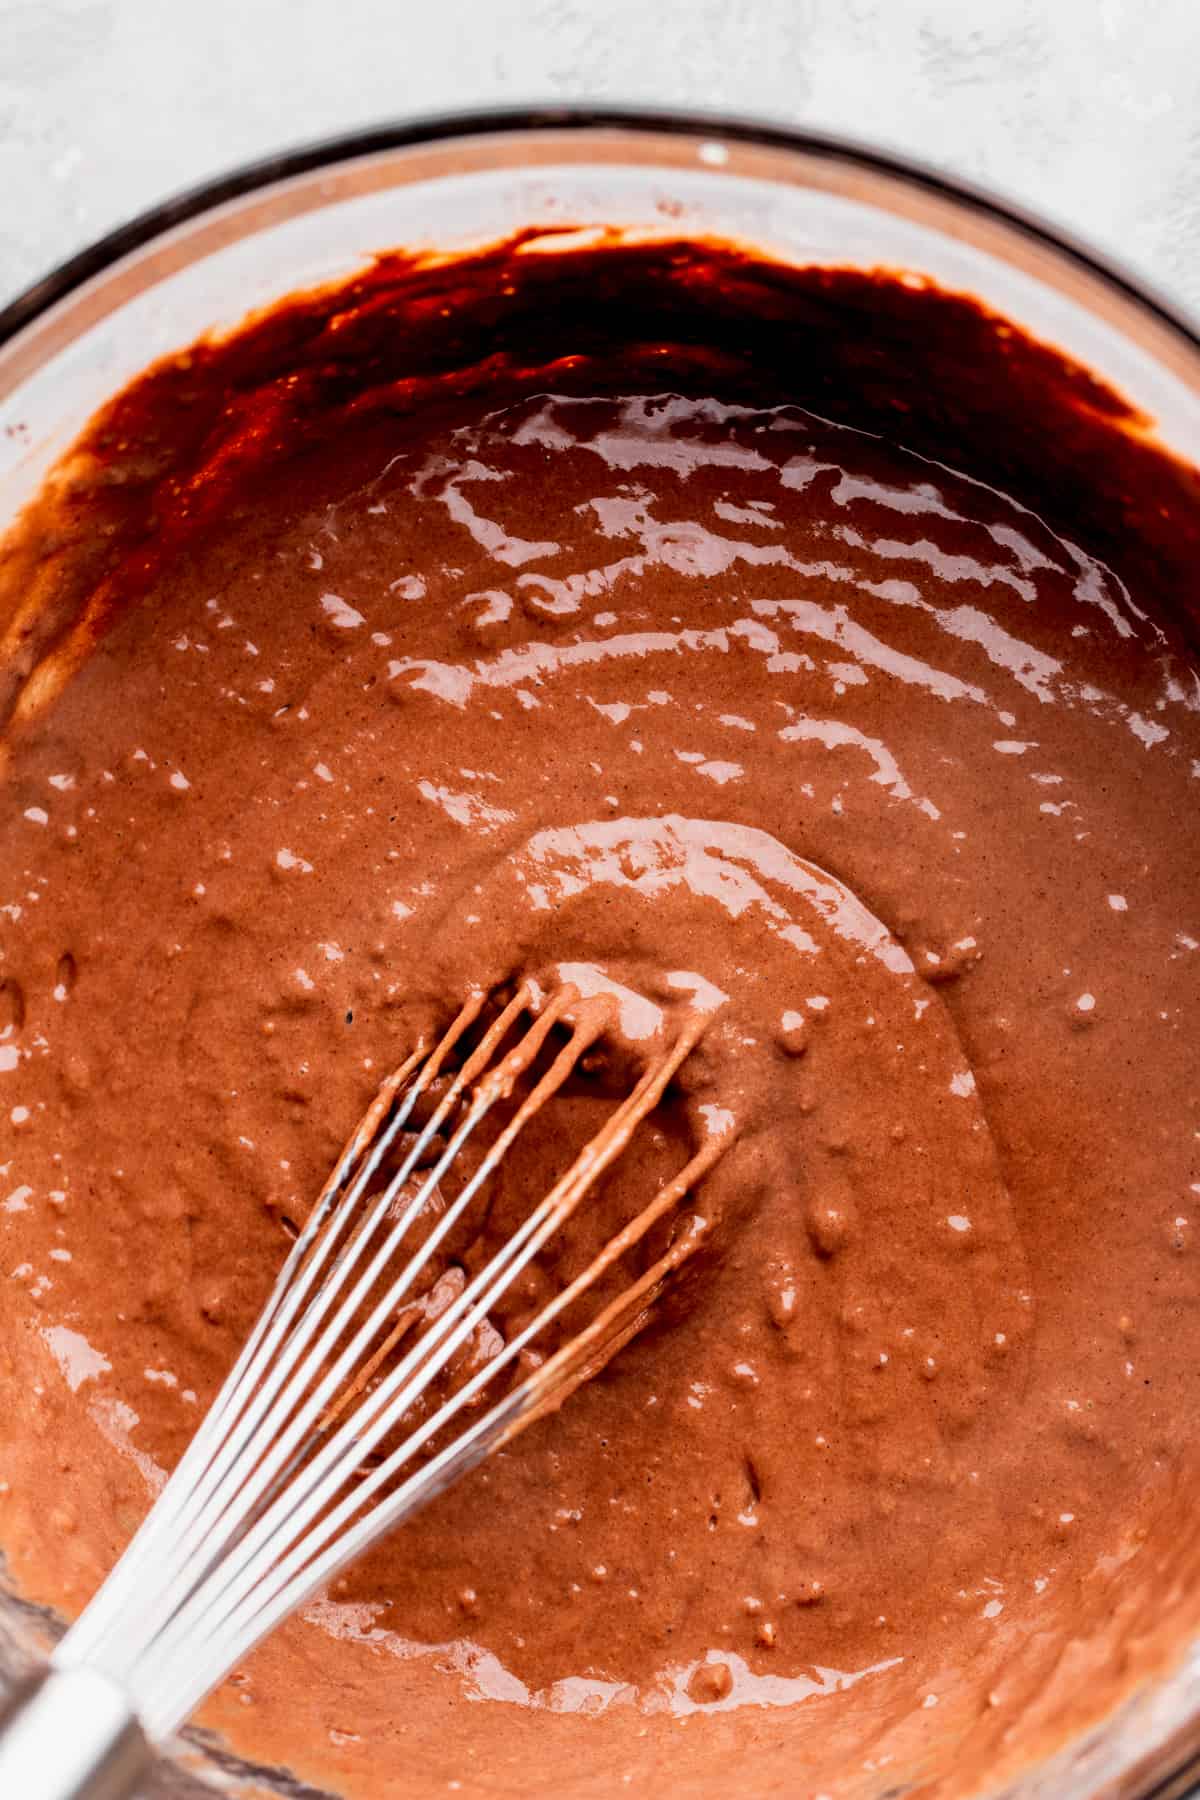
71 1734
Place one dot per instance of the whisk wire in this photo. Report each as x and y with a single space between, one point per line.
274 1495
300 1571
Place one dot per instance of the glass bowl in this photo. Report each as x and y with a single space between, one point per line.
206 259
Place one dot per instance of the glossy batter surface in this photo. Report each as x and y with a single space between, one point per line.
673 683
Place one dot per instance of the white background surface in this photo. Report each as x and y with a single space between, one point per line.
1088 110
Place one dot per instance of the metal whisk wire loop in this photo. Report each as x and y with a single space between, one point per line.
348 1407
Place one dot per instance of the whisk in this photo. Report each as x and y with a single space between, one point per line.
344 1412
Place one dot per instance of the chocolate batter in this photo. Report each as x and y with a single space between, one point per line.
653 616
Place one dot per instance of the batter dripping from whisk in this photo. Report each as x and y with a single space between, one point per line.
631 670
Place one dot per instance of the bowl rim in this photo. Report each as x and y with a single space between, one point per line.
427 129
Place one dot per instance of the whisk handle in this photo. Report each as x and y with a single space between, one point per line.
70 1734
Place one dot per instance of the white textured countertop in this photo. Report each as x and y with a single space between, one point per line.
1087 110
